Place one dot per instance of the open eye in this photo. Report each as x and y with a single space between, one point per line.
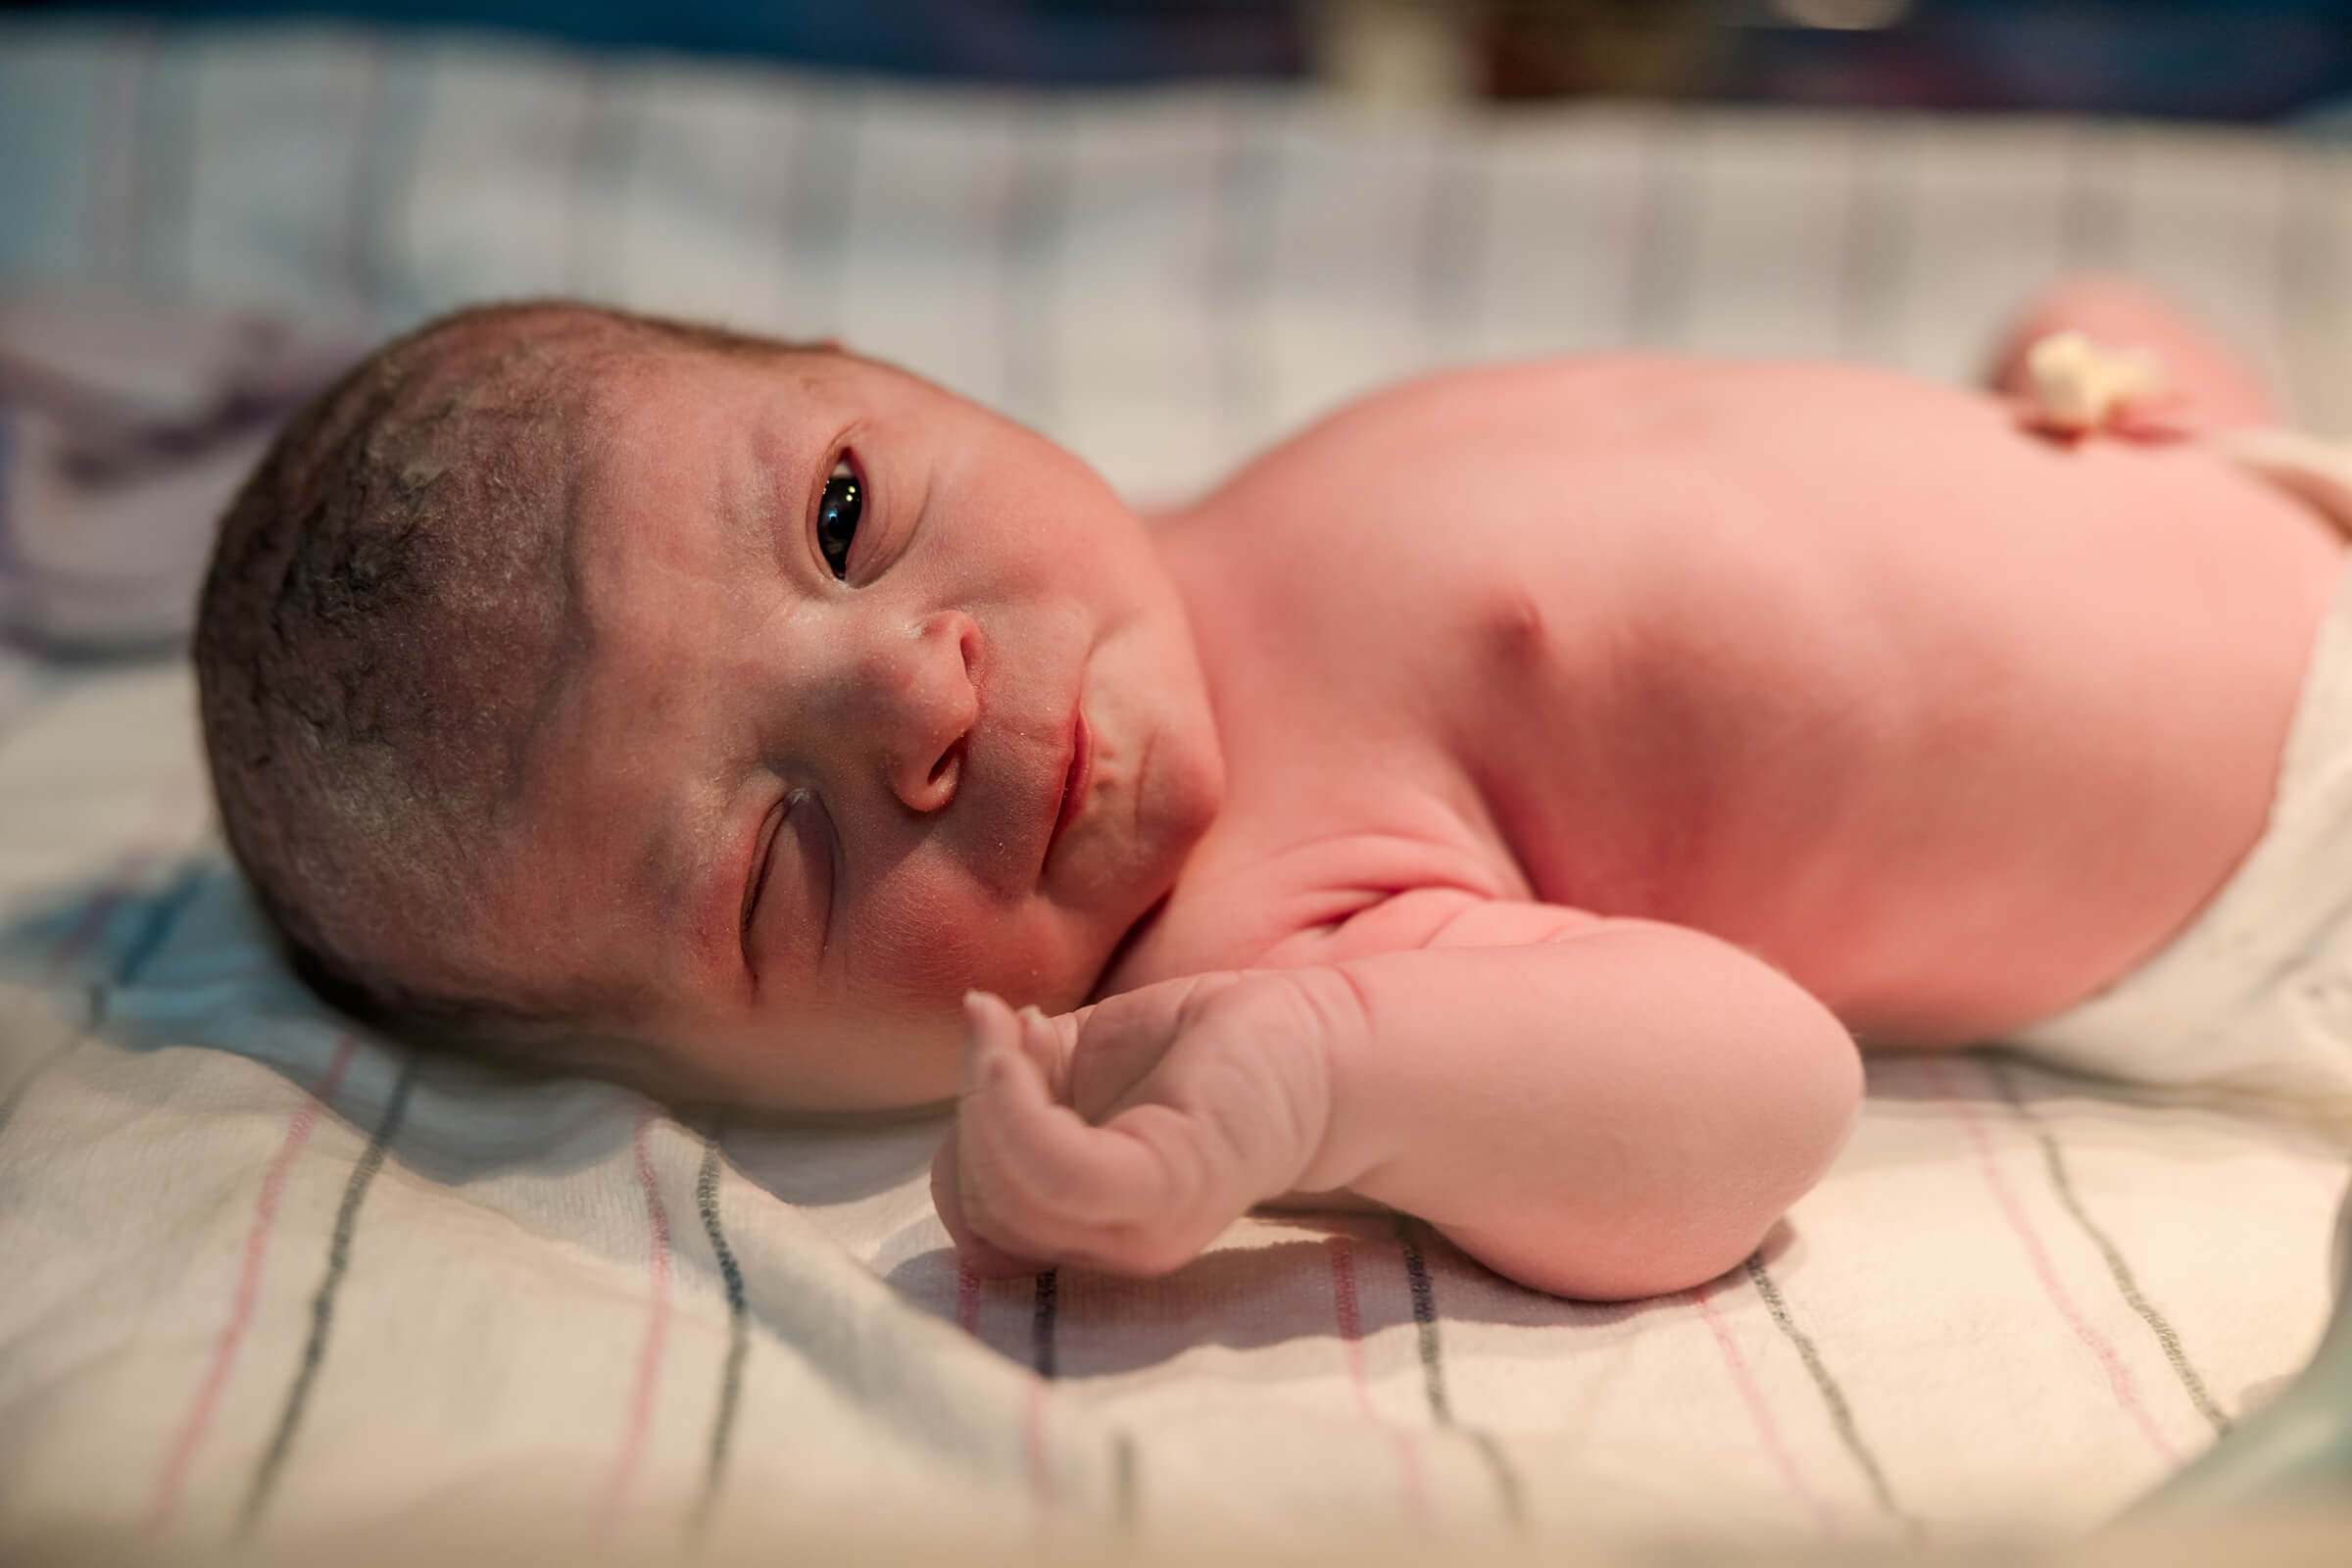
837 515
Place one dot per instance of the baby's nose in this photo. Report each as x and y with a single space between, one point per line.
920 692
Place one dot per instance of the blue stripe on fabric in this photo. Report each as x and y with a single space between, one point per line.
322 1306
730 1382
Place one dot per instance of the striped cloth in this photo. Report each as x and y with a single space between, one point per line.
269 1280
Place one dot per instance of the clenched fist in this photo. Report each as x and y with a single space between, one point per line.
1126 1134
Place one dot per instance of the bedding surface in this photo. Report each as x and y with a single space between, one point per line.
269 1277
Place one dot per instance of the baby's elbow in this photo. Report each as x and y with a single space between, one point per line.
1785 1125
1715 1185
1782 1124
1706 1231
1820 1095
1770 1079
1633 1257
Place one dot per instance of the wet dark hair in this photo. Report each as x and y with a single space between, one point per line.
387 616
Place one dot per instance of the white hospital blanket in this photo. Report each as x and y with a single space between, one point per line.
264 1276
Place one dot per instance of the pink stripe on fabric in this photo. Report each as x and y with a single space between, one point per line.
967 1300
128 871
1346 1310
2119 1376
1759 1411
657 1327
1351 1321
96 912
1036 1454
249 1281
1033 1442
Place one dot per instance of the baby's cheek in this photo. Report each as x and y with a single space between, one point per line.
918 948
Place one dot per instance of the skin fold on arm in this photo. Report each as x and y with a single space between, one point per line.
1619 1110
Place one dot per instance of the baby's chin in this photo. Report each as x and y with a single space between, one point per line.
1115 879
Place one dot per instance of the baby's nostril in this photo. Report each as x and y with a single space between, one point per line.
946 765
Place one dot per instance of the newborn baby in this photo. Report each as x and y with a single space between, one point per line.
1509 801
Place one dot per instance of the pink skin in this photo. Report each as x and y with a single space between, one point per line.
883 757
1615 678
1598 749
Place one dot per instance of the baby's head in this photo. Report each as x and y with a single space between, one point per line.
694 708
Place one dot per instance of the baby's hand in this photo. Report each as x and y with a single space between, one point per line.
1125 1135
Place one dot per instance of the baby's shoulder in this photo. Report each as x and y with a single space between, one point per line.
1611 387
1508 392
1502 439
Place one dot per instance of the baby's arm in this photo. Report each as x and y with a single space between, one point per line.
1620 1110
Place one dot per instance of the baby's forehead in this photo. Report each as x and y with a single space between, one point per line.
670 402
685 359
683 427
666 441
696 463
662 552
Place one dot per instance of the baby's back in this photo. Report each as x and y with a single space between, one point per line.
1950 722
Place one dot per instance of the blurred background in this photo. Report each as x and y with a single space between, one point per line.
1164 231
2225 60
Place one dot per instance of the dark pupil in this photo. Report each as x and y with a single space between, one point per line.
837 522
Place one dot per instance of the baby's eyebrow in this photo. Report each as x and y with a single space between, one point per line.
762 490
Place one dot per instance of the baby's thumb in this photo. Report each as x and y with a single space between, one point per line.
1046 1043
991 1025
988 1025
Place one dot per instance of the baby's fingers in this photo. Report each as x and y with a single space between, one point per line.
973 1251
1036 1181
989 1022
990 1019
1036 1164
1046 1043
